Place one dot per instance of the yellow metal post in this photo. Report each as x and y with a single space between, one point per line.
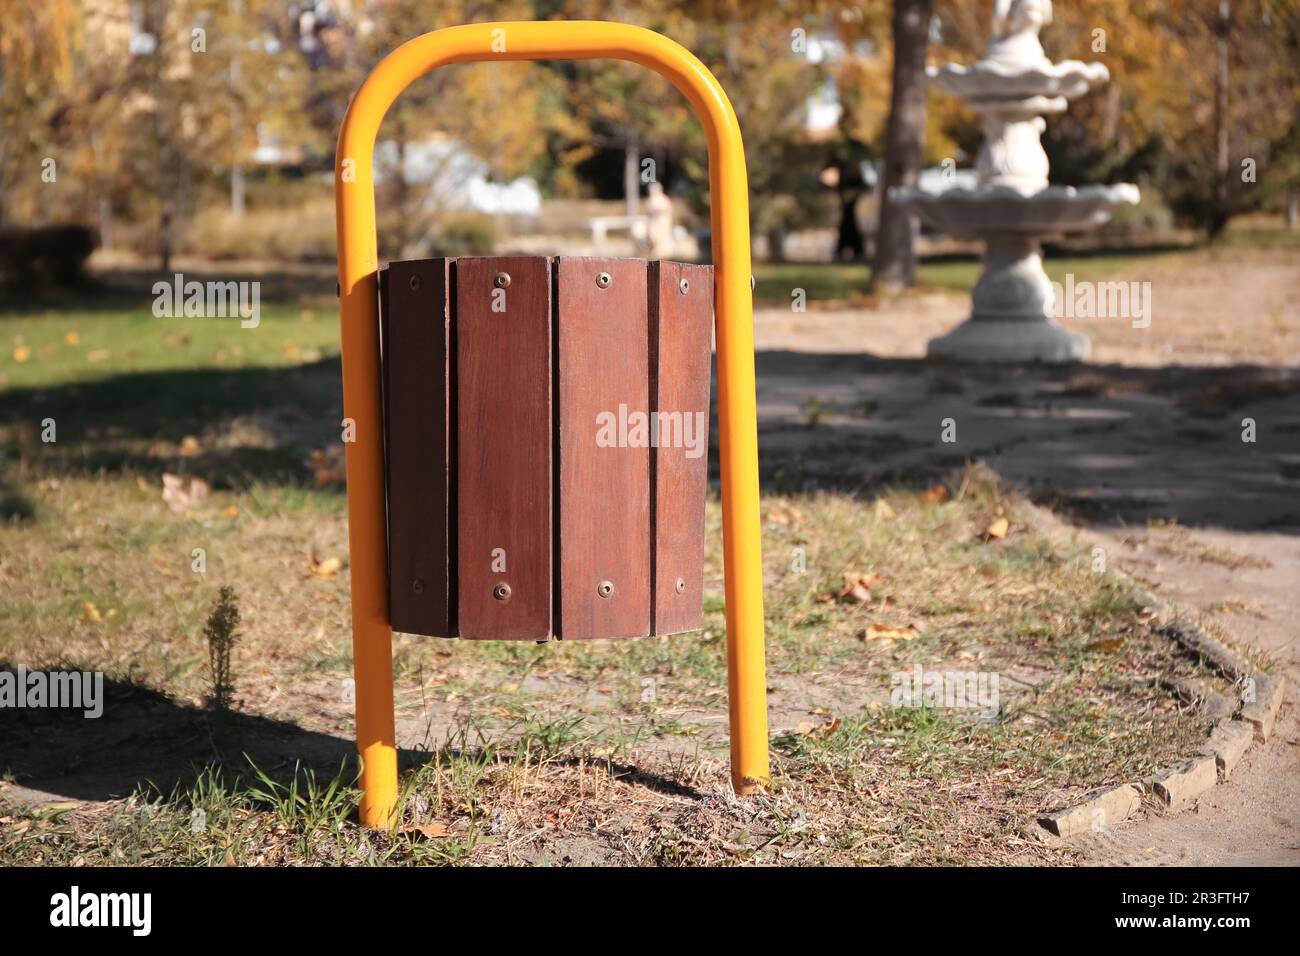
358 277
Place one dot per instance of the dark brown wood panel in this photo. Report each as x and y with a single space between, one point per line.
603 386
417 440
681 319
503 448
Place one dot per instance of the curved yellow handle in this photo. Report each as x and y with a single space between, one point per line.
737 417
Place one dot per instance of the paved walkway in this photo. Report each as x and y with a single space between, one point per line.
1142 449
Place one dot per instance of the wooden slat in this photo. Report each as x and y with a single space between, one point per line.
503 447
602 380
680 325
417 425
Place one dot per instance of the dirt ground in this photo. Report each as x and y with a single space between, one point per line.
1141 448
617 754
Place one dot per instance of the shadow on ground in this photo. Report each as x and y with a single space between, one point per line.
255 424
1108 444
119 289
144 737
147 740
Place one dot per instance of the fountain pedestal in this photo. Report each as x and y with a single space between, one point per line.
1011 319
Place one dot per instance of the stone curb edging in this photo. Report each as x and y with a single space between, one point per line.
1176 787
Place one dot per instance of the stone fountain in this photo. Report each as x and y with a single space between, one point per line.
1012 207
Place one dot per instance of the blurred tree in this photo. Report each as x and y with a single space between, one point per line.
1172 117
36 70
894 266
752 48
491 112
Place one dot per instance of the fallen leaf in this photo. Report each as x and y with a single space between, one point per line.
935 496
857 586
62 806
330 467
183 491
190 446
232 511
997 528
808 729
22 354
91 613
1106 644
325 568
98 355
784 514
72 337
430 831
887 633
508 688
880 508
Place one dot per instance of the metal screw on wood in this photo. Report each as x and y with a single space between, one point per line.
415 282
683 287
501 592
681 585
604 279
501 280
605 588
417 586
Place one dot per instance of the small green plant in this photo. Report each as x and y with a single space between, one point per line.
220 634
814 409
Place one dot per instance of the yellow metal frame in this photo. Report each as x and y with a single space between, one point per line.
359 307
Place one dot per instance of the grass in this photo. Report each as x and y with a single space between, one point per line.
602 752
831 285
85 345
561 732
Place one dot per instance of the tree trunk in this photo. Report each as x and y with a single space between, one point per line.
776 245
236 115
1219 215
632 174
895 261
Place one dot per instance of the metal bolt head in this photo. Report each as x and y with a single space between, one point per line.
417 586
753 283
415 282
683 287
501 280
604 279
681 585
605 588
501 592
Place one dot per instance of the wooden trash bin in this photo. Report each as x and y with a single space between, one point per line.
546 445
506 525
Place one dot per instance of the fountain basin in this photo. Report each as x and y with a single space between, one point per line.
990 79
976 212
